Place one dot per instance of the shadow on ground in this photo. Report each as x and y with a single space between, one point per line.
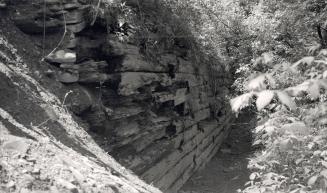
227 171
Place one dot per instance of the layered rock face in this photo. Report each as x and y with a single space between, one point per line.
161 117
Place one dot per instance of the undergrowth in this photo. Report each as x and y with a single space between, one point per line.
286 82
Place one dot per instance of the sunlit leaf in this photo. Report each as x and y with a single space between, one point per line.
270 129
267 58
323 52
298 161
298 128
299 90
324 75
314 90
312 49
286 100
238 103
312 180
271 80
317 153
324 173
306 60
259 128
297 190
257 142
285 145
322 121
323 83
324 163
253 176
257 84
264 99
323 61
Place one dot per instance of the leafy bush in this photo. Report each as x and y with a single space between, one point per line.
290 97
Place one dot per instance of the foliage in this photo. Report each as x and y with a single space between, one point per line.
293 158
289 95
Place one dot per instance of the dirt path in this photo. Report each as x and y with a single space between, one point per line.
227 171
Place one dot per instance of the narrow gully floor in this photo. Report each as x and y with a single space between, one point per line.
227 171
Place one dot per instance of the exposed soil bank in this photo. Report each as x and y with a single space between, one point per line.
227 171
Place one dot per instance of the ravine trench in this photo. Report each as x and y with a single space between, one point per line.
159 108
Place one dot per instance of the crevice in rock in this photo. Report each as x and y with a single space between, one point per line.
171 130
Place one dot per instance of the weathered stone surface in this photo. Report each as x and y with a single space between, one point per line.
156 115
204 158
192 79
98 78
190 161
149 156
161 97
127 128
157 133
132 81
3 5
61 56
180 96
74 16
67 77
114 48
87 66
80 100
69 6
71 43
137 63
77 27
185 66
126 111
158 171
31 25
167 59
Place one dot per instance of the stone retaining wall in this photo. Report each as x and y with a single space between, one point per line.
160 118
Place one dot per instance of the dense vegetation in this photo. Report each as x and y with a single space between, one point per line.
279 63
